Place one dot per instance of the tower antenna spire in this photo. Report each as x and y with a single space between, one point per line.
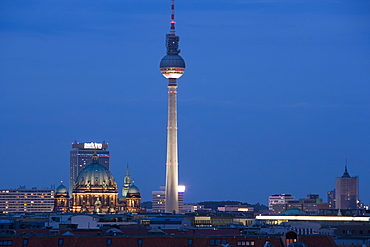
172 29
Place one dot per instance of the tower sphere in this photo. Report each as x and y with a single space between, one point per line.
172 66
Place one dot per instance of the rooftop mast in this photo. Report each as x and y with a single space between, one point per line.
172 29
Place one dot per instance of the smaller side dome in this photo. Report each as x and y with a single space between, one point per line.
61 191
133 190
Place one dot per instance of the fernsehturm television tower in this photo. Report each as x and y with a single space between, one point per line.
172 67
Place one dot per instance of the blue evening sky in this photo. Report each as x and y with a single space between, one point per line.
274 99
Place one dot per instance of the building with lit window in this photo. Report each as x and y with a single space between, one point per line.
26 200
277 200
346 191
331 198
159 199
81 156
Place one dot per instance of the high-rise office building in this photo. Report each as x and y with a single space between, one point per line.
81 156
346 191
172 66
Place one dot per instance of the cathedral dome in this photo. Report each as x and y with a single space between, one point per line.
94 175
61 190
95 190
133 190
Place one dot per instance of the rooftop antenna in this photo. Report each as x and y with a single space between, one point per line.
172 43
172 29
346 174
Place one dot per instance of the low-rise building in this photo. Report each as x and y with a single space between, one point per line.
159 199
26 200
279 200
235 208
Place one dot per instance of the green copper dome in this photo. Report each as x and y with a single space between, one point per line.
133 190
61 189
95 175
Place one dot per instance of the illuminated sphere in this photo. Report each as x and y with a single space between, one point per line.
172 66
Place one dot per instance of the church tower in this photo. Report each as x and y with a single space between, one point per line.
126 183
130 201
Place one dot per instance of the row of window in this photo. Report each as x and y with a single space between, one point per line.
245 243
43 192
354 232
3 198
190 242
6 243
213 242
109 242
30 210
25 242
10 203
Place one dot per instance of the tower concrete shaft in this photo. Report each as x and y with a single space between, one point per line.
172 204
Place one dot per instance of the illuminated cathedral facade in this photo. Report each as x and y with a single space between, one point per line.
95 192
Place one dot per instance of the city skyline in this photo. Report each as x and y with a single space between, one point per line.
275 94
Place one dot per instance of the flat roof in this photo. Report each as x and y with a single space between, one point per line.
311 218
